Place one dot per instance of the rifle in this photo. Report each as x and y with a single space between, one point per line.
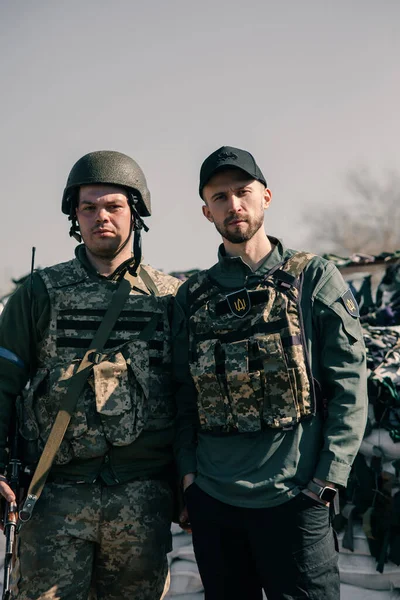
10 517
11 511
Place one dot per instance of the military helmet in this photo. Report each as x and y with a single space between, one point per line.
114 168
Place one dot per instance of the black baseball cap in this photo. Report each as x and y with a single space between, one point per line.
226 157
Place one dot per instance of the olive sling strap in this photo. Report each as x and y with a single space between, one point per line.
76 386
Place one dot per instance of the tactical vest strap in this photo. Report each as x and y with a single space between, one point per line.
290 272
296 264
200 285
284 277
75 388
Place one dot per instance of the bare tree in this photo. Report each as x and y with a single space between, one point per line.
370 224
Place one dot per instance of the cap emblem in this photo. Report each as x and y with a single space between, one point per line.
226 155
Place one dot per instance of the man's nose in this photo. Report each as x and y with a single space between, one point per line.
234 203
102 215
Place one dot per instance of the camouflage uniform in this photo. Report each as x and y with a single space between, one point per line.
123 530
129 388
105 513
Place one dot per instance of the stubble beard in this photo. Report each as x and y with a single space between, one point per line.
104 251
239 237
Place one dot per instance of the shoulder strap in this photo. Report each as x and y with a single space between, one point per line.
200 289
296 264
289 272
148 281
75 388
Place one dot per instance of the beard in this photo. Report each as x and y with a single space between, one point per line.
238 237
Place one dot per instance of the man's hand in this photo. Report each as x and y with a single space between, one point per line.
188 480
184 522
5 490
9 496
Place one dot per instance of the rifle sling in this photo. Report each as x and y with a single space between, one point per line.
75 388
148 281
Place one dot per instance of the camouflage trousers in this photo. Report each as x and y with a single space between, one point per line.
95 541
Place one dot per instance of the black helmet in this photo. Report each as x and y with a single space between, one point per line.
114 168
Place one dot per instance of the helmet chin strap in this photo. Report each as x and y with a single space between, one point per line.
74 229
137 237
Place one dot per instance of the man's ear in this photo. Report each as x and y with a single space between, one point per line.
207 213
267 197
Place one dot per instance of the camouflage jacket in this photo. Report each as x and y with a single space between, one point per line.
128 394
269 466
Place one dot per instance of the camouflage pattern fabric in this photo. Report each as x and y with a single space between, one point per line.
372 498
112 540
129 389
251 371
383 354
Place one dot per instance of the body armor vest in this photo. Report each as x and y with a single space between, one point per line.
128 390
248 356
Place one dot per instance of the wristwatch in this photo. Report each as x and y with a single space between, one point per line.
325 492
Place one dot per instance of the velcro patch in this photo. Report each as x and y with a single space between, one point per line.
239 302
350 303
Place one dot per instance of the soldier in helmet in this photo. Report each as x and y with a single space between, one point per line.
102 517
272 400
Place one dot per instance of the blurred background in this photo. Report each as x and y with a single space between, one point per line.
311 88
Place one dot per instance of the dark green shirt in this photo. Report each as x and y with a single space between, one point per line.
268 467
23 325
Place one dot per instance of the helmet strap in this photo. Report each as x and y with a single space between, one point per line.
137 251
138 225
74 230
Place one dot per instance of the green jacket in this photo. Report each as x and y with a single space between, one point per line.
24 329
269 467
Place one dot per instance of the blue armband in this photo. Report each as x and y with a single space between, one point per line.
8 355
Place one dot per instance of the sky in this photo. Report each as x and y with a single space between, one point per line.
310 88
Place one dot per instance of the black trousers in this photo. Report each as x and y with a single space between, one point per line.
289 550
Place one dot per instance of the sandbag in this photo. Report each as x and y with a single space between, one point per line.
351 592
199 596
177 530
184 553
360 571
181 540
185 578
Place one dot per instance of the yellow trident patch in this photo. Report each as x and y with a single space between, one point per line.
239 305
239 302
350 303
